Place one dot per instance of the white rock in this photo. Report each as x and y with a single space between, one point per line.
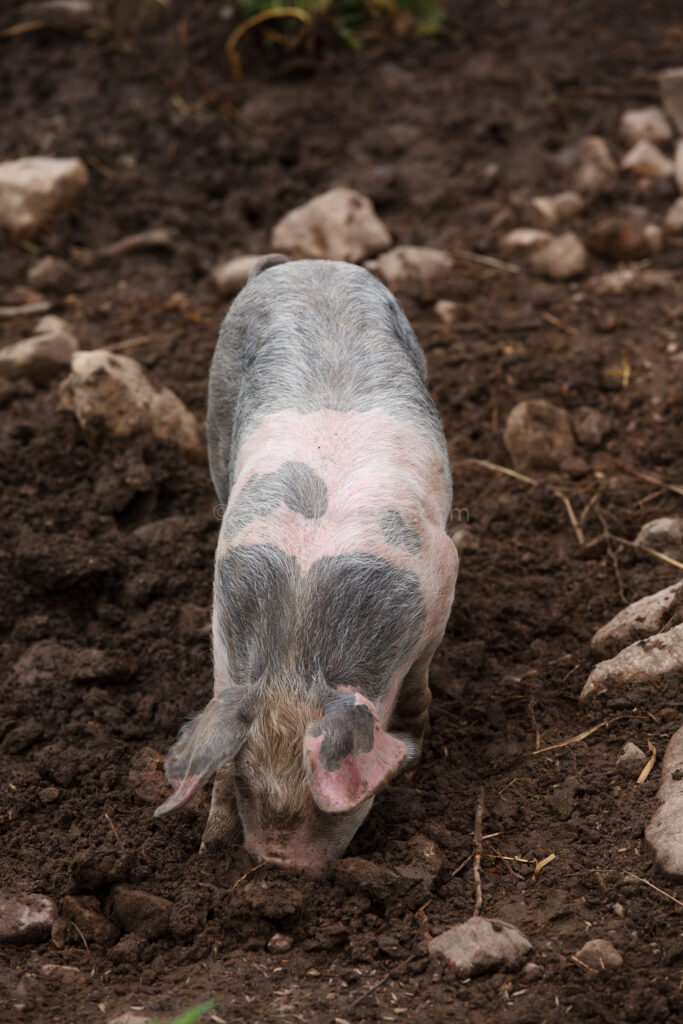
664 834
599 954
113 391
673 220
521 239
655 660
630 279
664 535
631 758
42 357
68 976
640 619
481 945
447 311
33 188
231 275
647 160
338 225
595 168
647 123
417 270
25 919
561 259
671 94
547 211
130 1018
678 164
538 435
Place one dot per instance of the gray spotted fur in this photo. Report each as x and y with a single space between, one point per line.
400 533
311 335
294 484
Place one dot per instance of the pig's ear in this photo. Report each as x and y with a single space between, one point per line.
212 737
349 757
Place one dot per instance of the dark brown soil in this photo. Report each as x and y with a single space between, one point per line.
170 140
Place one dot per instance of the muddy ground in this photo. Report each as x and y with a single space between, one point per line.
170 140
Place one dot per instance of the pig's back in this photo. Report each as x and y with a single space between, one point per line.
309 336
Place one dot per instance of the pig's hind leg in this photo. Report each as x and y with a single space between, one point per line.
225 378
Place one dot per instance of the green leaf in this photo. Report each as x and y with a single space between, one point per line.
192 1015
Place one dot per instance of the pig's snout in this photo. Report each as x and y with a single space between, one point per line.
294 858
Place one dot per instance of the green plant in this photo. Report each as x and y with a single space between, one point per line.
192 1015
348 17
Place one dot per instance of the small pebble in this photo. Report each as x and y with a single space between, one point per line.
447 311
599 954
562 259
279 943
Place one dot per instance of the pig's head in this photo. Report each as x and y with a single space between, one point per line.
304 776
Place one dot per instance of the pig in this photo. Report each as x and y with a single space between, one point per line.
334 574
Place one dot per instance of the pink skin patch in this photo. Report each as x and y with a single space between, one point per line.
359 776
370 462
184 791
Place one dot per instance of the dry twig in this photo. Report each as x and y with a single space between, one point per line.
650 764
655 887
487 261
476 868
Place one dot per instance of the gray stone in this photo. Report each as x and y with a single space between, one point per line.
647 123
664 834
636 621
647 160
112 391
51 274
338 225
671 94
538 435
562 259
664 535
34 188
42 357
25 919
600 955
231 275
631 759
417 270
671 784
659 659
480 946
590 426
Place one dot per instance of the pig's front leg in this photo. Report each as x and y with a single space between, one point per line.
411 714
223 823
